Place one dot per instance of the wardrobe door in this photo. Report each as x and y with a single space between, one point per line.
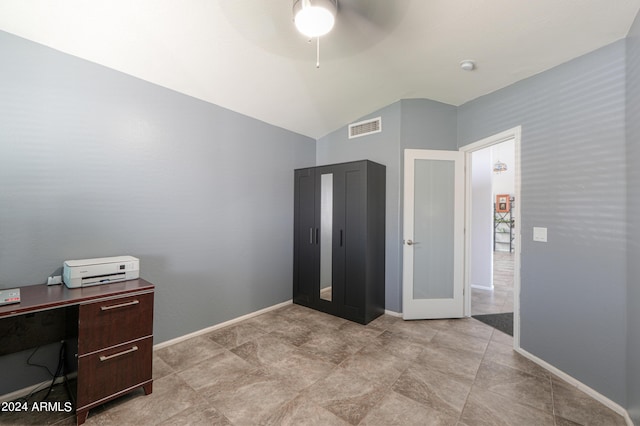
327 196
354 241
306 247
338 260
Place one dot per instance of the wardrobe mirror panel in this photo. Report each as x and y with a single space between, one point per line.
326 235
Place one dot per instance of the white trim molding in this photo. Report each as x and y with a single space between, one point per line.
579 385
514 133
221 325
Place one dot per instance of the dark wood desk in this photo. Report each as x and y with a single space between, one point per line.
114 328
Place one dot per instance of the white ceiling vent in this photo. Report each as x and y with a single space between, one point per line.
367 127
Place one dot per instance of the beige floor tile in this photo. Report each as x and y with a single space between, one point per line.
188 352
485 408
422 331
160 368
434 389
358 333
270 321
319 321
346 395
171 395
302 412
572 404
397 410
459 363
264 350
375 365
399 345
516 385
299 369
235 335
560 421
456 340
295 333
505 355
384 321
251 400
216 372
469 326
330 346
503 338
500 298
200 414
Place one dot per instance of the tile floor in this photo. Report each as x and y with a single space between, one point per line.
296 366
500 299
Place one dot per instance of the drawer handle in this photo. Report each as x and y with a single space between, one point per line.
121 305
128 351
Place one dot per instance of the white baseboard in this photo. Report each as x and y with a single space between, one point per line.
25 391
482 287
393 313
40 386
218 326
578 384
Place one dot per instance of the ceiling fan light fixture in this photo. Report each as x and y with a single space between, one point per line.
314 18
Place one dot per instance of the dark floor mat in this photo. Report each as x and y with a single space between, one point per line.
502 322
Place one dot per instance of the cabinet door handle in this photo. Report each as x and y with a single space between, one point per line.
108 357
121 305
341 238
317 235
310 235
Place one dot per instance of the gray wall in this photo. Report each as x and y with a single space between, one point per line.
633 221
94 163
410 123
425 124
382 148
573 182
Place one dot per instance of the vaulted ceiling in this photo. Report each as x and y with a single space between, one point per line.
246 55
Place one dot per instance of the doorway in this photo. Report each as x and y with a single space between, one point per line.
492 240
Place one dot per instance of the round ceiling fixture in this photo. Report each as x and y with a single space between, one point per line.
314 18
468 65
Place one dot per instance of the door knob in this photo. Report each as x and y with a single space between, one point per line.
411 242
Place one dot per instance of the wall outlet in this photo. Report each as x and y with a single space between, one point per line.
57 279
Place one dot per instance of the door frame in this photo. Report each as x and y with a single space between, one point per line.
514 133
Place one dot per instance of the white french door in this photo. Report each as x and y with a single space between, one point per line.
433 247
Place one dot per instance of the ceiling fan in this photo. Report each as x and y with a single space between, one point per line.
357 24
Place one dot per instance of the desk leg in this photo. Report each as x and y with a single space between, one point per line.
148 388
81 416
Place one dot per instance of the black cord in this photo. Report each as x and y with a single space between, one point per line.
37 365
58 371
54 375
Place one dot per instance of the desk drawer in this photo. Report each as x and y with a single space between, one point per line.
105 373
110 322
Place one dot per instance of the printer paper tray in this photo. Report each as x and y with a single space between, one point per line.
103 279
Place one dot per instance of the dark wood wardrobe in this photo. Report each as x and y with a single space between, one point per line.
339 239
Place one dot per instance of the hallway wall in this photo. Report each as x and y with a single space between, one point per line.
574 287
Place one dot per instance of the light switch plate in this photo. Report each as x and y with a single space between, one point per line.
540 234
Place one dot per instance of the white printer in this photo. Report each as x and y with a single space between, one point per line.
102 270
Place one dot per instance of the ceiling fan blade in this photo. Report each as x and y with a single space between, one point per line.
381 14
269 25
